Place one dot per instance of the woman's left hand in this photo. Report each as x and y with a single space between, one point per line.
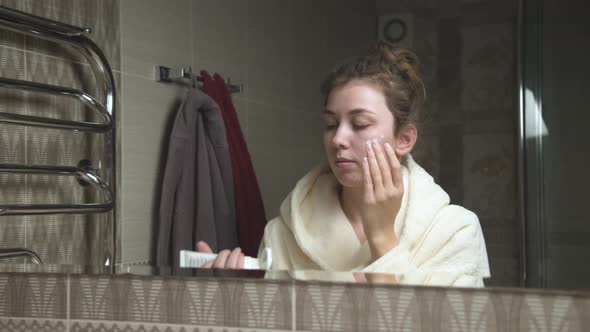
384 189
226 259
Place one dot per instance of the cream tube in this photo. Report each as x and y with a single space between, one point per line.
194 259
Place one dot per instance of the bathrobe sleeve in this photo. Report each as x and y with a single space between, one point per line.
452 245
286 253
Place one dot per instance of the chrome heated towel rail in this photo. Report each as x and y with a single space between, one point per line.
76 38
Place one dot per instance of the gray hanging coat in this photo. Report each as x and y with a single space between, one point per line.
197 201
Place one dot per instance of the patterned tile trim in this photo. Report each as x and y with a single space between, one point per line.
137 303
37 325
33 295
330 307
215 302
114 326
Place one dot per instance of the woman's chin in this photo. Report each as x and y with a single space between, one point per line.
349 179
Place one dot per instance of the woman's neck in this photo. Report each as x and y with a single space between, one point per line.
351 199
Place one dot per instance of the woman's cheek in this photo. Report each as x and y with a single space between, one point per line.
359 148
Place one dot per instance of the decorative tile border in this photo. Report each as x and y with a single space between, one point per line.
113 326
33 295
28 324
350 307
31 301
214 302
554 313
354 307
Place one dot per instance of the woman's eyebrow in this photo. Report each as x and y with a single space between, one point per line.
353 112
357 111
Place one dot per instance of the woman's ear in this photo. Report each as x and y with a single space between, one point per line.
405 139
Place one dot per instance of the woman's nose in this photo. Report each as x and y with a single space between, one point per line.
341 139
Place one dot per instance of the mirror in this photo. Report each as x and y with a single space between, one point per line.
480 75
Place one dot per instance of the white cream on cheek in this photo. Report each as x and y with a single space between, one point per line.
354 141
376 136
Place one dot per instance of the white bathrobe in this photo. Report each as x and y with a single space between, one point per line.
435 238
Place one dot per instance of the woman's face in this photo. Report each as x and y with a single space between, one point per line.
355 112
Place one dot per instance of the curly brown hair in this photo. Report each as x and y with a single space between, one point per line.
394 71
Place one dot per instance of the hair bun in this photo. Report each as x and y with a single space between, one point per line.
397 60
394 70
402 62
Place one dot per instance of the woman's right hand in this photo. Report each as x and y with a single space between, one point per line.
383 193
226 259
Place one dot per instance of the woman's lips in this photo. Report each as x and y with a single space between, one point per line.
344 163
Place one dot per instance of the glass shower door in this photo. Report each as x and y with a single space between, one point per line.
555 115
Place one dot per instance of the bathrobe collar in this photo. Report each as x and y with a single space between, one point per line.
312 211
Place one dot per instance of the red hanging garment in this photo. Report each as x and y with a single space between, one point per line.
250 215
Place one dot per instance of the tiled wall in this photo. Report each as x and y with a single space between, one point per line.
50 302
279 51
69 239
468 53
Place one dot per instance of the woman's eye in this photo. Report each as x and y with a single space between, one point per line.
330 126
361 126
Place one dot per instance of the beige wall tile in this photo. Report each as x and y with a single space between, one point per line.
306 129
149 38
220 38
148 113
241 106
269 51
268 125
347 39
302 160
305 145
312 59
154 32
268 143
221 25
272 165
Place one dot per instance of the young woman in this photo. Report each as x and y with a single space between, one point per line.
372 208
